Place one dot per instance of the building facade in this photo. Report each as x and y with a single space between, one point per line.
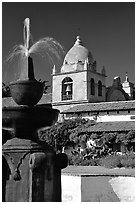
78 80
79 90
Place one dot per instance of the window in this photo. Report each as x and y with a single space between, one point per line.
99 88
67 86
92 87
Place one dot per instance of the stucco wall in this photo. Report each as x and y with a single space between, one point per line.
71 188
79 86
96 78
98 185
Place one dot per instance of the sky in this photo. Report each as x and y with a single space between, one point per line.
107 29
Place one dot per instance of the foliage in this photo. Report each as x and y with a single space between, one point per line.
109 161
45 87
109 137
116 160
65 133
72 133
126 138
80 161
128 160
88 156
5 90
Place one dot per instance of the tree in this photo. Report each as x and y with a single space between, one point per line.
64 133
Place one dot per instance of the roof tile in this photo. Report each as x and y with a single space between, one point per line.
102 106
111 126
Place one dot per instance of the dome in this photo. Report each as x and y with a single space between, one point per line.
78 54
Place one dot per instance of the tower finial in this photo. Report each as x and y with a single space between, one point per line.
78 41
127 77
103 71
86 64
54 70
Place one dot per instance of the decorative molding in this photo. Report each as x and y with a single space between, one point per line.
13 164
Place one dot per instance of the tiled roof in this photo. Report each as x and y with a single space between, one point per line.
102 106
8 101
112 126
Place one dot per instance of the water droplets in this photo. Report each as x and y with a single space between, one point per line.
46 47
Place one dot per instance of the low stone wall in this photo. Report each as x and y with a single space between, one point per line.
97 184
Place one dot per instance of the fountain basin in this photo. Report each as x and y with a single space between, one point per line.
25 120
26 92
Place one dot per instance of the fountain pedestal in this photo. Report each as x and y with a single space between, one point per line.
31 169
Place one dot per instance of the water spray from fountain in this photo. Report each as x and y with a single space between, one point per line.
27 90
26 35
46 47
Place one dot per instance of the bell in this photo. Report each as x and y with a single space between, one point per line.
68 89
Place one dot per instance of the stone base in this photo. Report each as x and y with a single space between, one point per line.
30 173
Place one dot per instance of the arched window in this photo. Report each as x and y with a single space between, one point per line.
67 89
99 88
92 87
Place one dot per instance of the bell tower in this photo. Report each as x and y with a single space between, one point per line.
78 80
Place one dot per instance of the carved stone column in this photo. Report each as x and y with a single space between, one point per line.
30 172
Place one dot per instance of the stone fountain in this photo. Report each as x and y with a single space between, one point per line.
31 169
